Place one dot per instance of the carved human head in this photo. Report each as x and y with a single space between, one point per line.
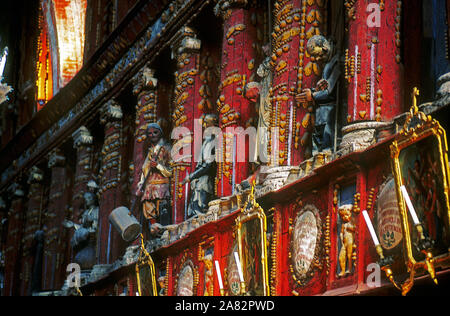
90 199
154 133
210 120
161 281
345 211
319 48
252 91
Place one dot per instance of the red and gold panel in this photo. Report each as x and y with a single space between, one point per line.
304 264
185 273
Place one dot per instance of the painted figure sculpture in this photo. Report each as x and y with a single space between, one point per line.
154 185
259 93
84 239
321 100
347 237
202 179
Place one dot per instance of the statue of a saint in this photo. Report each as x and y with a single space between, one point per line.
258 92
154 185
323 99
84 239
202 179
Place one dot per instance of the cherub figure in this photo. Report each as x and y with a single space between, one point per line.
347 237
209 275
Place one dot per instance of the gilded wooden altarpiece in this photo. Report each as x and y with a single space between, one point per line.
420 163
251 226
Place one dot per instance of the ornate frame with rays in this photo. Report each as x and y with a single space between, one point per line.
315 231
417 131
186 263
253 216
145 261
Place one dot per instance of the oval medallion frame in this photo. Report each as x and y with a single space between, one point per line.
305 244
388 218
181 278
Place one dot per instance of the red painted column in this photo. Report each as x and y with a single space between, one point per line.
295 22
55 236
13 241
239 61
31 226
373 62
191 101
82 140
147 111
110 245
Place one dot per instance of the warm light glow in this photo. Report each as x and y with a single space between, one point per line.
70 16
44 82
3 61
60 46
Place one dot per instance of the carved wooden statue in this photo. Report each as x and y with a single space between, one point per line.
347 237
209 275
321 101
202 179
154 185
259 92
84 239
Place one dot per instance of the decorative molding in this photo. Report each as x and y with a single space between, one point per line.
16 191
275 179
223 7
360 136
56 159
110 112
99 272
82 137
36 175
144 80
185 41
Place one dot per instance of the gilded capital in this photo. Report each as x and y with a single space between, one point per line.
110 112
82 137
224 7
185 41
56 159
144 80
35 175
16 191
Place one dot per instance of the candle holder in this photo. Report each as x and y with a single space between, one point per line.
425 245
385 263
222 292
243 290
420 132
